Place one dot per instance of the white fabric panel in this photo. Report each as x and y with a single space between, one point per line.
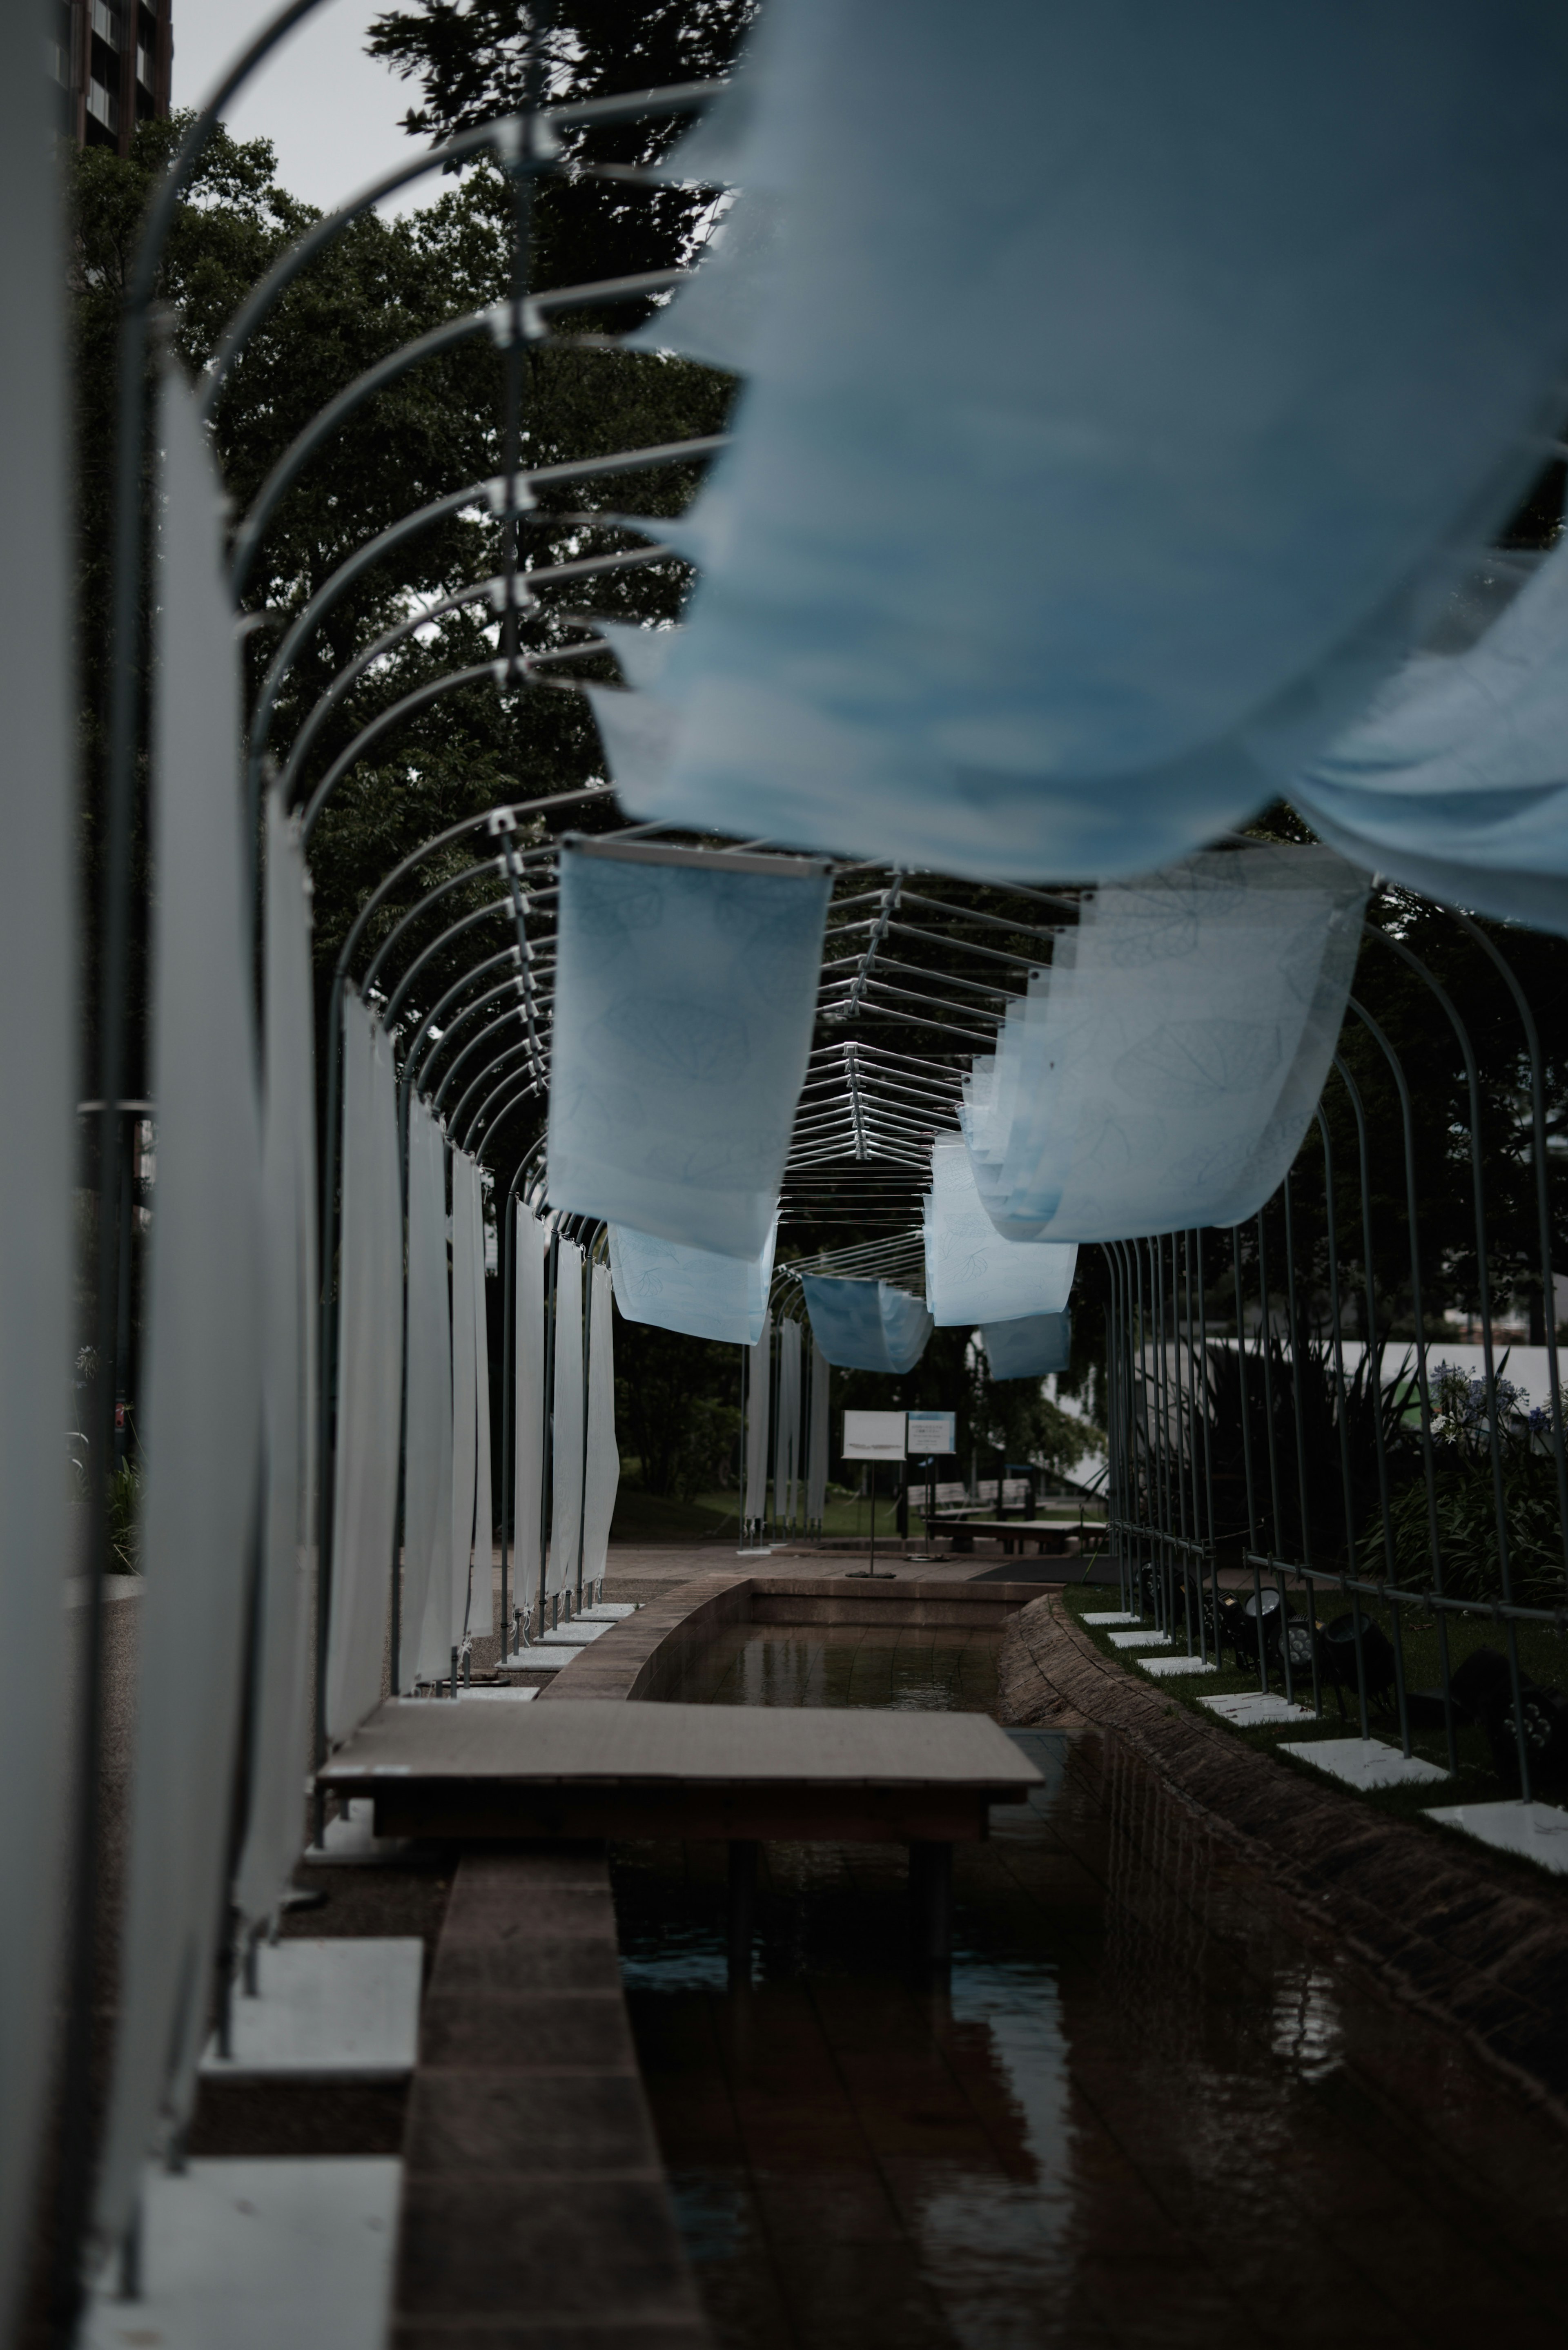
566 1448
38 920
1286 296
482 1587
866 1325
691 1290
1169 1061
1456 781
465 1422
685 994
1028 1348
818 1437
603 1478
786 1426
201 1416
759 1361
280 1747
972 1274
529 1404
369 1375
425 1644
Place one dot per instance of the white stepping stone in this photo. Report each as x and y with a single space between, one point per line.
1172 1668
1255 1711
1119 1616
609 1611
341 2008
1539 1831
252 2252
1364 1761
575 1635
1140 1640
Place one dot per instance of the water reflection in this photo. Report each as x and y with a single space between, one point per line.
1158 2104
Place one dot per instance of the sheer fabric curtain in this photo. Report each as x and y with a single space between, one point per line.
818 1460
685 994
201 1414
465 1390
692 1290
603 1476
759 1363
568 1434
370 1371
280 1741
1311 374
972 1274
1029 1347
1454 782
1161 1074
39 1152
428 1630
482 1584
866 1325
530 1404
786 1426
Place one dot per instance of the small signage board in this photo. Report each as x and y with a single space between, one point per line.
932 1434
873 1435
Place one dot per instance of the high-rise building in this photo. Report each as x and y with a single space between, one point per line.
113 58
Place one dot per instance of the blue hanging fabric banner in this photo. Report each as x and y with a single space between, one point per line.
972 1273
866 1325
1161 1074
690 1289
1273 310
1028 1347
1456 781
686 990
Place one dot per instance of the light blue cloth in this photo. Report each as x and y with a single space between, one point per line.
866 1325
690 1289
1161 1074
972 1273
1104 449
1456 781
1028 1347
685 993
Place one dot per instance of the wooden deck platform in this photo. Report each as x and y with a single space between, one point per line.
616 1768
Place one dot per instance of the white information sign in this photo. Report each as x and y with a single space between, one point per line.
932 1434
873 1435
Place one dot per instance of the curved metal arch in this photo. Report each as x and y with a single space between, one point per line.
500 496
491 1028
452 931
511 987
490 590
418 698
352 671
508 956
493 1122
509 136
498 319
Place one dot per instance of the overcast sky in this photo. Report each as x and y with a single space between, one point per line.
330 112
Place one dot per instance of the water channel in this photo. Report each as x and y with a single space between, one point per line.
1158 2105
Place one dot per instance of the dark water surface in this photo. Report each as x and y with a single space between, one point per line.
1158 2105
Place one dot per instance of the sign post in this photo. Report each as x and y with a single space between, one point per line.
929 1434
874 1436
